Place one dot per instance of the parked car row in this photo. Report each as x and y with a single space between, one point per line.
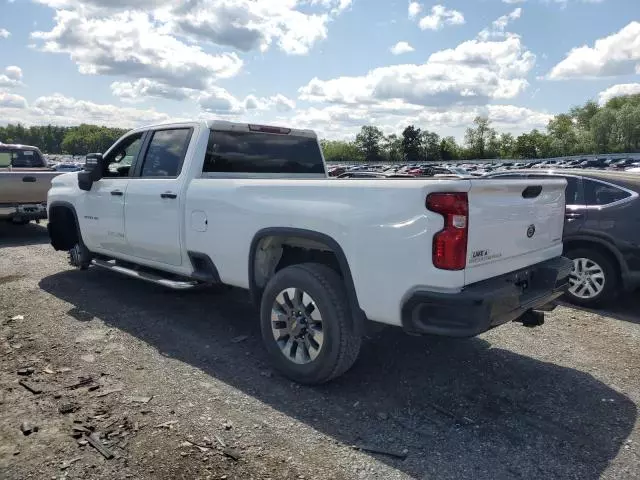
430 169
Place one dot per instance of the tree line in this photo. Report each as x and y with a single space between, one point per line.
587 129
78 140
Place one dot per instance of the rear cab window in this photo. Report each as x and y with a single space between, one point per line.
256 152
21 158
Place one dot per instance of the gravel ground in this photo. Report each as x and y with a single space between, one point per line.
176 385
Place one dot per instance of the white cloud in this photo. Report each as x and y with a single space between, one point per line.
439 17
443 94
221 102
475 72
129 44
10 101
4 33
511 2
13 72
335 6
344 121
617 91
58 109
155 46
401 47
282 103
11 78
617 54
251 24
414 9
242 24
498 27
144 89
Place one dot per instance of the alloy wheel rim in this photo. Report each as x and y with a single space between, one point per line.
74 256
587 279
297 327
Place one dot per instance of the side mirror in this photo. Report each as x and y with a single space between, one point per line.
93 169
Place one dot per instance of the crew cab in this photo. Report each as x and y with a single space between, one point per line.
251 206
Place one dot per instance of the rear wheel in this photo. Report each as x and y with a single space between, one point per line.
306 324
593 280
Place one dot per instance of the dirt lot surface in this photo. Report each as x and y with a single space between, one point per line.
176 385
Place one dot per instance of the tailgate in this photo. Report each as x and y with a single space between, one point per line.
18 187
513 223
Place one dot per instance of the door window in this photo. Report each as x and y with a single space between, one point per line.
600 194
166 153
121 157
573 193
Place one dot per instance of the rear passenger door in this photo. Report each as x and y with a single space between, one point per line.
154 200
576 209
611 211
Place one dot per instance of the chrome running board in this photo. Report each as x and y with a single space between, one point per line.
145 275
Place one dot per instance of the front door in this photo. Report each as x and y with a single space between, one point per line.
101 210
154 200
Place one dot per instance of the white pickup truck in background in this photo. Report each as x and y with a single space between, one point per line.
251 206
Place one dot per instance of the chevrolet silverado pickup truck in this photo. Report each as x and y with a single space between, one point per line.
24 182
251 206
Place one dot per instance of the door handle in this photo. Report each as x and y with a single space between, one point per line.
29 179
116 193
531 191
168 195
573 215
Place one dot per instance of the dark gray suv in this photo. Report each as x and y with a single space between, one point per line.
601 233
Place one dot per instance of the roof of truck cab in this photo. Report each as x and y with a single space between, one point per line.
226 126
246 127
16 146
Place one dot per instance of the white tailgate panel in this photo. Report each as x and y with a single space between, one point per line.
501 222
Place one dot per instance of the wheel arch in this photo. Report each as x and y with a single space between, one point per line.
60 215
317 241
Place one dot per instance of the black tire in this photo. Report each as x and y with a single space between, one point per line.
611 279
21 221
80 256
341 344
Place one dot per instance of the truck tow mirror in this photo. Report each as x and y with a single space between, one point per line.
93 169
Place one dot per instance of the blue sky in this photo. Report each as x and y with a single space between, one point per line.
330 65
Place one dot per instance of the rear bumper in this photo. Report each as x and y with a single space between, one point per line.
486 304
28 211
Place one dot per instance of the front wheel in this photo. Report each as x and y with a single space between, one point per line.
593 279
306 323
80 256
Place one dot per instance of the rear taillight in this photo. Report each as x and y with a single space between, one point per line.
450 243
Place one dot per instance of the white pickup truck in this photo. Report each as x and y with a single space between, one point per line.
251 206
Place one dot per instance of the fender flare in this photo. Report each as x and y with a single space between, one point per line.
256 292
69 206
